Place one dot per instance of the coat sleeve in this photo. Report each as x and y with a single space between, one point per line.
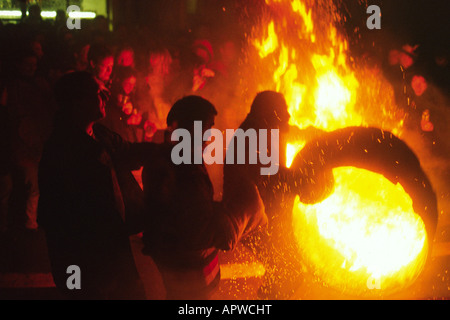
242 209
129 156
183 214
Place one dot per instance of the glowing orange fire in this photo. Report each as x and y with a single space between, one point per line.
366 232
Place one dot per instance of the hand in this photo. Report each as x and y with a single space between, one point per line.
198 83
208 73
135 119
127 108
149 128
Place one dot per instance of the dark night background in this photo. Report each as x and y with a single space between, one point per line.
425 23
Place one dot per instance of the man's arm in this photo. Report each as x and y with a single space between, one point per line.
127 155
242 208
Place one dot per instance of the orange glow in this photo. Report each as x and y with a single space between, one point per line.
291 150
300 8
241 270
367 229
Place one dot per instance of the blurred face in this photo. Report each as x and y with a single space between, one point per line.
126 58
128 85
202 54
104 69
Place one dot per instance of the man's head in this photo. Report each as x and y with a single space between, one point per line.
270 109
203 49
101 62
125 57
79 98
34 12
189 109
125 78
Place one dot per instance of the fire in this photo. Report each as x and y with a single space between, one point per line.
300 8
367 228
269 44
291 150
332 99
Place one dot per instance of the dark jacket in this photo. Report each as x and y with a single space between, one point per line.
81 209
30 110
116 120
185 227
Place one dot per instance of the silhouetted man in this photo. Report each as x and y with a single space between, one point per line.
101 63
185 227
82 207
275 247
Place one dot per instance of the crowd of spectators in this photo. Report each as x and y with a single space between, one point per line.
140 72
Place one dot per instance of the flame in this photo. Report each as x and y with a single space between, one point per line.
300 8
268 45
291 150
367 228
334 96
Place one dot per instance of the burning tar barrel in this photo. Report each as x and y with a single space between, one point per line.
366 214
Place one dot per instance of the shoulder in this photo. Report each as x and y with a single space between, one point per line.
108 138
160 162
